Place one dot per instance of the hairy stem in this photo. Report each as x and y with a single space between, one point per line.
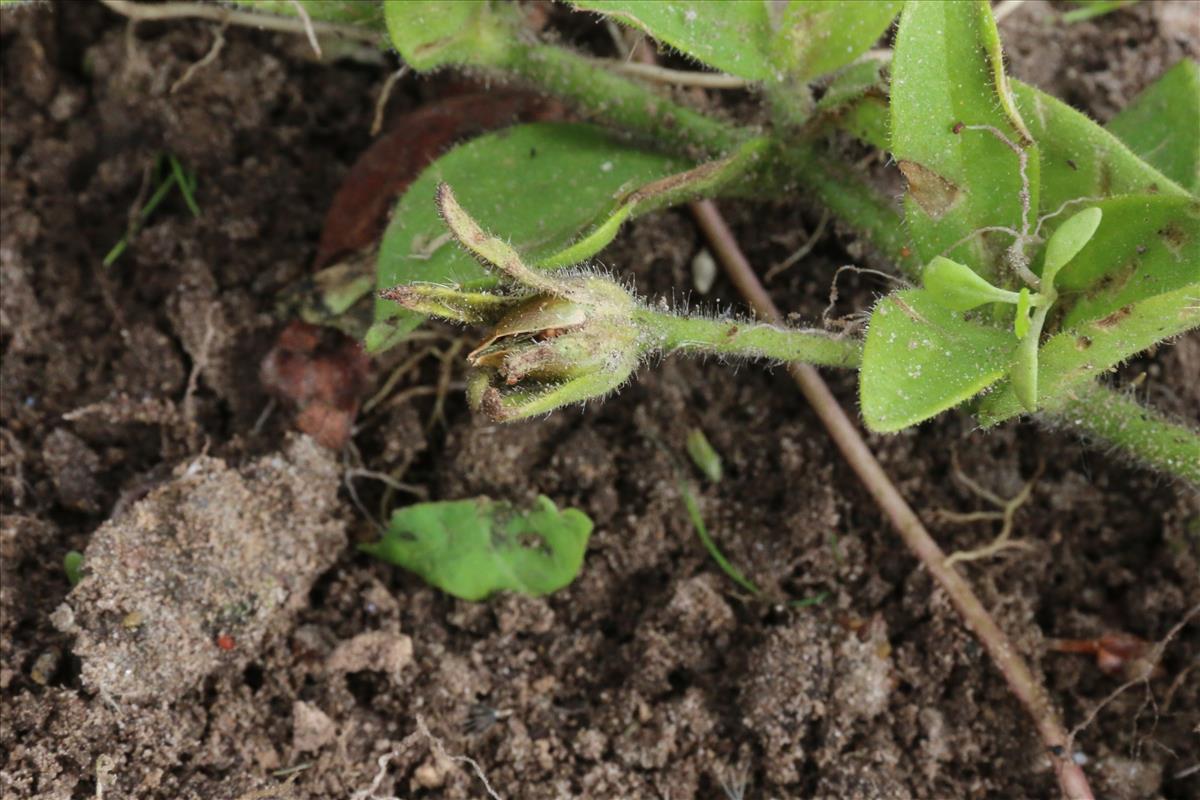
698 335
618 100
1149 437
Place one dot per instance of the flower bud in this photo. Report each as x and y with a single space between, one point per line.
555 340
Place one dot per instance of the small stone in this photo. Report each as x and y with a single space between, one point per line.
312 728
378 651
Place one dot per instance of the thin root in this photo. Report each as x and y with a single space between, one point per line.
1007 514
804 250
209 57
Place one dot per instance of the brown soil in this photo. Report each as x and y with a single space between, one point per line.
284 664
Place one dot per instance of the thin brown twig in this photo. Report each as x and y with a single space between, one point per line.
1031 694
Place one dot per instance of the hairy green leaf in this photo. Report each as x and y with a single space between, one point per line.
1162 124
472 548
433 33
1148 245
758 40
1090 349
732 37
1081 159
921 358
948 83
540 183
820 36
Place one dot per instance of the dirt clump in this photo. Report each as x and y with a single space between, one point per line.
194 576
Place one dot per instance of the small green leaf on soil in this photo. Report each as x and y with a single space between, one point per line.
73 566
472 548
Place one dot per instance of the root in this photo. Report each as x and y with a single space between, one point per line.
1008 511
209 57
439 752
804 250
1144 672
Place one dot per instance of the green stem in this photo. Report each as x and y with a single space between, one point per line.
674 333
632 107
1145 434
619 100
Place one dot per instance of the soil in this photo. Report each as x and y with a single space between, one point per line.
227 642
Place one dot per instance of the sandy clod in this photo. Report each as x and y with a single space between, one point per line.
197 573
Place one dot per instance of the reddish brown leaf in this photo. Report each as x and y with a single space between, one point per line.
386 168
323 373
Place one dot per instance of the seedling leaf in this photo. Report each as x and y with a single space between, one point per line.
1088 350
540 183
948 83
473 548
922 358
1068 240
1162 124
956 286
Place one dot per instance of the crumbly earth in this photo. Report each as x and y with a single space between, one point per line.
653 675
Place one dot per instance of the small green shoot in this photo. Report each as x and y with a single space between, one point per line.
474 548
1091 9
706 459
73 566
693 510
178 176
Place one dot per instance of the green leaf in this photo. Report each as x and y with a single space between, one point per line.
1068 240
732 37
948 78
703 455
1086 351
472 548
820 36
850 84
1162 124
754 40
433 33
1148 245
957 287
706 180
73 566
541 184
1081 159
922 358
